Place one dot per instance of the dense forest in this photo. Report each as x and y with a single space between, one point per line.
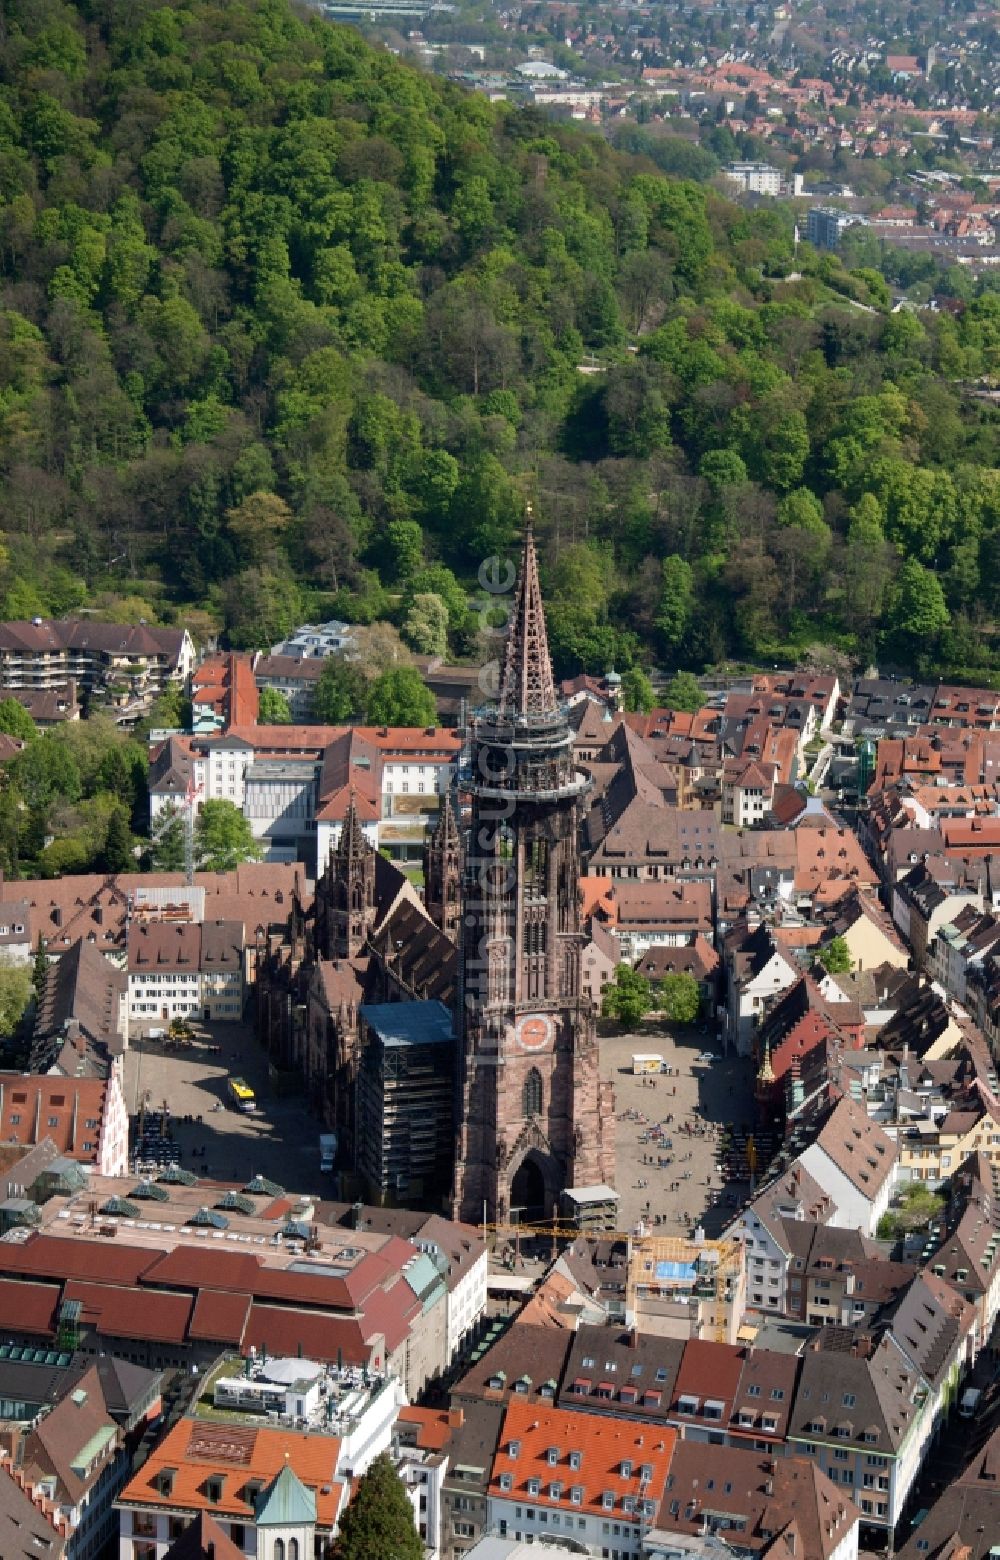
289 329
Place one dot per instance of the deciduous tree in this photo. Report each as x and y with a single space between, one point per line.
628 997
223 838
400 697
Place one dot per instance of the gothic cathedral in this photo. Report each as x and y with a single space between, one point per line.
533 1114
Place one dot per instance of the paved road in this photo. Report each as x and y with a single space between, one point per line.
707 1094
281 1141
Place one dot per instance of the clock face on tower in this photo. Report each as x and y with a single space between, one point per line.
534 1031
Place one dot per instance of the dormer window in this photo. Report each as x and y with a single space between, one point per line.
576 1494
533 1486
608 1500
626 1468
575 1459
555 1490
514 1450
506 1481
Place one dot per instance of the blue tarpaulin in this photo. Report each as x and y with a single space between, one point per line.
679 1271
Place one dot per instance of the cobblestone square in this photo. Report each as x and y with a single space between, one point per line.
706 1095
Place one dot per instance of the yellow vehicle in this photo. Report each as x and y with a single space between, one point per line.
242 1094
645 1064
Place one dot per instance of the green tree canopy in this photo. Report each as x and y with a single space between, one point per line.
637 691
400 697
379 1521
684 692
628 997
16 722
15 994
223 839
169 848
835 957
340 692
274 708
678 997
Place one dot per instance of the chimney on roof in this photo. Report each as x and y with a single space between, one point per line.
456 1418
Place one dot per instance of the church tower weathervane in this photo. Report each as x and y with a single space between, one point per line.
533 1115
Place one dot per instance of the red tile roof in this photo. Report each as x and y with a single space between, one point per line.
604 1443
26 1307
709 1370
236 1456
283 1331
122 1312
48 1106
101 1261
221 1318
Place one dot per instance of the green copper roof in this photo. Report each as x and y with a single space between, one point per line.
286 1502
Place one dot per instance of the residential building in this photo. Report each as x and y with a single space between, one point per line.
185 969
967 1251
459 1253
421 1444
49 708
316 640
757 970
959 946
872 940
964 1520
597 1481
125 665
475 1433
745 1499
601 957
73 1457
861 1415
662 913
794 1196
274 1492
825 225
29 1527
81 1016
223 693
294 677
747 792
85 1118
855 1163
695 957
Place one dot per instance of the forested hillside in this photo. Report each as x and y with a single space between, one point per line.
289 329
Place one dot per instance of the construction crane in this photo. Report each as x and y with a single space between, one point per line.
719 1265
555 1230
191 792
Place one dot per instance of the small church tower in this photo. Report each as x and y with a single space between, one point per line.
443 872
285 1518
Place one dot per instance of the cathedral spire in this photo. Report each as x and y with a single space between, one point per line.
352 840
447 827
526 686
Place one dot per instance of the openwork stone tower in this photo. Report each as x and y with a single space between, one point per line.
534 1117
